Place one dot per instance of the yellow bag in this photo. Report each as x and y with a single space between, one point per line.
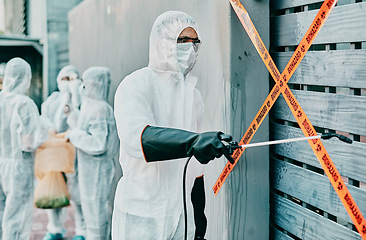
55 154
51 191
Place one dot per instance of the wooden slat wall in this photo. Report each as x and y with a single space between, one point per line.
345 24
313 188
349 159
285 4
277 234
307 224
343 68
330 85
327 110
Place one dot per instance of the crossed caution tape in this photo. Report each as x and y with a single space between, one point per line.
300 116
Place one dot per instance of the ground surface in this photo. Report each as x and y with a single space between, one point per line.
39 225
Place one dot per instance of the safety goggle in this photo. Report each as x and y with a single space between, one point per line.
196 42
188 39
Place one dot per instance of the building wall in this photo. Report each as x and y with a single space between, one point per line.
2 17
14 17
57 35
232 80
35 19
15 43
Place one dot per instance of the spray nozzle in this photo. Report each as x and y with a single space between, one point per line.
340 137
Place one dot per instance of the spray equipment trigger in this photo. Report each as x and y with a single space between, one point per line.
230 146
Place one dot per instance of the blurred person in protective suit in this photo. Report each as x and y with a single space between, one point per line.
21 133
158 112
95 137
55 110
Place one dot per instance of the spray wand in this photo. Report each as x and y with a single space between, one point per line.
233 145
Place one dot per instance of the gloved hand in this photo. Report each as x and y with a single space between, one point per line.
208 146
168 143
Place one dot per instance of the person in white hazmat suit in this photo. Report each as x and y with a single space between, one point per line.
21 133
158 110
95 137
55 110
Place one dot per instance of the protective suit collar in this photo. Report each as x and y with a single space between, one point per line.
96 82
17 76
163 40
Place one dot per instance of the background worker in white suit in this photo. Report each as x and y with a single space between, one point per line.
96 140
21 133
55 110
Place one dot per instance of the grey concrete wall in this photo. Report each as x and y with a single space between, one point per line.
249 183
115 34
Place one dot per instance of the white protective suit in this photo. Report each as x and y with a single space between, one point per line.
97 142
21 133
53 112
148 201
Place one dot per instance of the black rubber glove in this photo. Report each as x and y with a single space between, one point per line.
160 143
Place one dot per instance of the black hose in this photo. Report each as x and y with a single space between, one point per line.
184 199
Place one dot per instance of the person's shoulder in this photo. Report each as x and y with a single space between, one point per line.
54 95
140 76
22 98
17 100
101 109
24 102
137 80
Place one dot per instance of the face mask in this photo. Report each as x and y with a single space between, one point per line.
63 86
186 55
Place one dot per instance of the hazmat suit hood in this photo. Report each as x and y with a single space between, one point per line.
17 76
67 71
163 40
96 82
